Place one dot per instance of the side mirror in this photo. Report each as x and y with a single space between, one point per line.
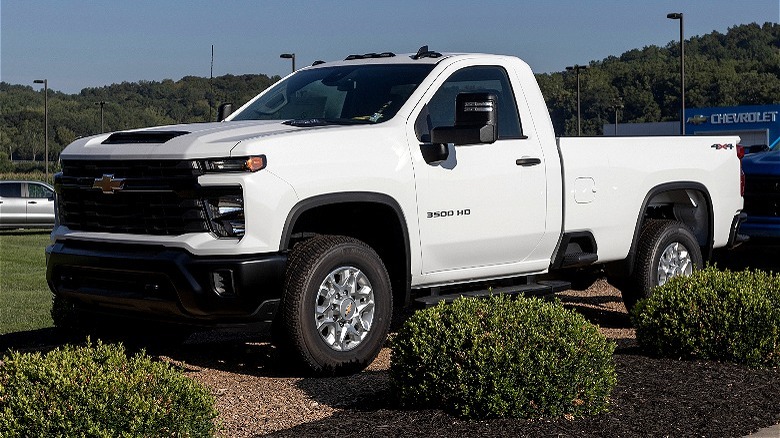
435 153
476 121
224 111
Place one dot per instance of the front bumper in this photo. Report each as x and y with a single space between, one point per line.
166 284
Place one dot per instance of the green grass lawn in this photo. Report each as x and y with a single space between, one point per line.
25 299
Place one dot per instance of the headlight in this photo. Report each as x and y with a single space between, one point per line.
243 164
226 215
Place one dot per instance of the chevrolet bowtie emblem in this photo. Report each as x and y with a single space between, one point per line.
108 184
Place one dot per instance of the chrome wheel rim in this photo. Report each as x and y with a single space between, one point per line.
344 308
675 261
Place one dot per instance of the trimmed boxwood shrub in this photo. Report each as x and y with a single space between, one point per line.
97 391
713 314
502 357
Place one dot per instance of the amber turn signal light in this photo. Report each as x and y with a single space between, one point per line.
253 164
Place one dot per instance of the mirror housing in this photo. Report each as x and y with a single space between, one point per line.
476 121
224 111
435 153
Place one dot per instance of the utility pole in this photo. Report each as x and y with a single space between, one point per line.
618 107
576 68
45 83
679 16
211 85
101 103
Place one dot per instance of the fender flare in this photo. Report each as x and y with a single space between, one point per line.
352 197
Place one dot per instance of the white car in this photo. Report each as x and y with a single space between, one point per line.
26 204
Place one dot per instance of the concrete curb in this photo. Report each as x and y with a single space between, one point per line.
767 432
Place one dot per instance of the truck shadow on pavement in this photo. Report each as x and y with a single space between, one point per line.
755 254
202 350
41 340
252 354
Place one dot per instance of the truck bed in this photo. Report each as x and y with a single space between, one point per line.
620 175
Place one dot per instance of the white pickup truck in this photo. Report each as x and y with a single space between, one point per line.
353 188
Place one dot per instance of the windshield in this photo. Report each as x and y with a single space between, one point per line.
344 95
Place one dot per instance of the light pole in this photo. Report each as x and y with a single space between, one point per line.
101 103
618 107
679 16
289 56
576 68
45 83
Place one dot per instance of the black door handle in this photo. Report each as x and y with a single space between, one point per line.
525 162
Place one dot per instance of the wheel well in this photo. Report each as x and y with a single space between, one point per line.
378 224
686 202
689 206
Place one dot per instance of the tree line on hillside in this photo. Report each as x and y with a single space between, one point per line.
126 106
740 67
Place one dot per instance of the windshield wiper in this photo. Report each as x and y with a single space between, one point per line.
324 122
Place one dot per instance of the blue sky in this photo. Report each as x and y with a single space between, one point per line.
90 43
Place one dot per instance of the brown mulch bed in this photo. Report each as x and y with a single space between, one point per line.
654 397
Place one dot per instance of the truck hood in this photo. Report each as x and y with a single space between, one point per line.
762 163
187 141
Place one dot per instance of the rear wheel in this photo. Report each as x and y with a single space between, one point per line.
336 308
666 249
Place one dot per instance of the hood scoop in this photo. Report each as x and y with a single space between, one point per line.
142 137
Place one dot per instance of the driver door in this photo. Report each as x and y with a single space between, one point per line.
483 207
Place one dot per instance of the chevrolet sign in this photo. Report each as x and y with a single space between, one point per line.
751 117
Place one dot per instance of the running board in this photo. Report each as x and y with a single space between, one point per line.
540 288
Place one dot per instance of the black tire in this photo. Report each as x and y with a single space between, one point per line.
657 238
323 351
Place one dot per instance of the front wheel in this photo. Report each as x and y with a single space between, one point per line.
337 305
666 249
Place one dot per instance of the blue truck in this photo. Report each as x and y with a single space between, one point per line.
762 192
758 127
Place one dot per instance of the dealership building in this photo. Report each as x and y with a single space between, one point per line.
754 124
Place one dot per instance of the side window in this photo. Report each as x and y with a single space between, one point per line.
440 110
11 190
38 191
